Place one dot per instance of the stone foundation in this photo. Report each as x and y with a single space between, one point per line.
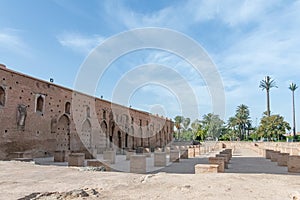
138 164
160 159
268 153
274 155
191 152
129 154
174 156
206 168
294 164
110 156
220 161
282 159
76 159
184 154
197 150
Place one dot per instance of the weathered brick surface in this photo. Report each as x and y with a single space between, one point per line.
58 119
138 164
160 159
282 159
206 168
76 159
294 164
174 156
220 161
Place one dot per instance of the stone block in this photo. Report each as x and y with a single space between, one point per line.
282 159
191 152
206 168
76 159
160 159
174 156
197 150
274 155
59 156
268 153
129 154
229 151
225 159
202 150
168 149
184 154
294 164
227 154
138 164
98 163
220 161
110 156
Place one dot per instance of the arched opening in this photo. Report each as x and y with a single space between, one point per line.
104 114
104 132
2 97
141 136
126 140
111 135
86 131
132 134
39 104
88 113
63 133
67 107
119 140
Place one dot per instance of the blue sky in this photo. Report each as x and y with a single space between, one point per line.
246 40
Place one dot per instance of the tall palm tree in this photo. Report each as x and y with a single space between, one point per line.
293 87
267 84
242 119
178 121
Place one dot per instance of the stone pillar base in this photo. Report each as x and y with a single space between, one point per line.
174 156
206 168
138 164
76 159
110 156
160 159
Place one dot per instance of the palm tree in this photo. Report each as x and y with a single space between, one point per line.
178 121
231 127
242 119
267 84
186 122
293 87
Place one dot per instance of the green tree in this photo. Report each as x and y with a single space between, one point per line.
272 127
242 120
186 122
177 123
267 84
293 87
231 128
198 131
212 125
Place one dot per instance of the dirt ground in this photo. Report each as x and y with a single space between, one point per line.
248 177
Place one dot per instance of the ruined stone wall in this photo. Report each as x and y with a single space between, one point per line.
41 117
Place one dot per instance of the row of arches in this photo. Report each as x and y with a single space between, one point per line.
115 137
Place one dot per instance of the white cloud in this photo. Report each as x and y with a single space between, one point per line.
260 38
11 40
78 42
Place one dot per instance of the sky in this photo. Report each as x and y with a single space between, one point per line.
246 41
